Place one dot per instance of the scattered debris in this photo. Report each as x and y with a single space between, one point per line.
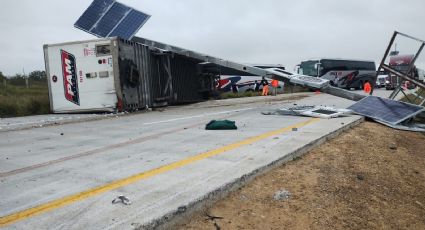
360 177
419 203
213 218
243 197
297 158
282 195
181 209
122 199
221 125
393 146
311 111
135 224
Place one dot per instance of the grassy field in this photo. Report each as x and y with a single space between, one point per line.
20 101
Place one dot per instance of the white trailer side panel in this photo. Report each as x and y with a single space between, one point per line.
81 76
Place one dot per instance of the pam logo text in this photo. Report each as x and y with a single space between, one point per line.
70 81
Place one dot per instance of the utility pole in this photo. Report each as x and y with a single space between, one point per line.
26 78
395 52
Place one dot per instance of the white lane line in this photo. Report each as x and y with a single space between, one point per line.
196 116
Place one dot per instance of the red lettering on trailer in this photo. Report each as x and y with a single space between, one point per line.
69 73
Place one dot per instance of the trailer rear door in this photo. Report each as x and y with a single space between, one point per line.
81 76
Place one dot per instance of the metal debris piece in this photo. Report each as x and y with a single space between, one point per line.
308 81
404 75
360 177
282 195
295 110
181 209
413 127
211 217
310 111
121 199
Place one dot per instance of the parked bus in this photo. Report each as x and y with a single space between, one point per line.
342 73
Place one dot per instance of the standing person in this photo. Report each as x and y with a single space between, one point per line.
256 86
367 87
275 84
265 84
235 88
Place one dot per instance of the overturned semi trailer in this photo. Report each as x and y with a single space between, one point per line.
116 74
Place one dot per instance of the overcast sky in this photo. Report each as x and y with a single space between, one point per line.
267 31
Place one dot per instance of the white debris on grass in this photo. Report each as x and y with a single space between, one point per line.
282 195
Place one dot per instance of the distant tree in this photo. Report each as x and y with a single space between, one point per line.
18 76
17 79
37 75
2 76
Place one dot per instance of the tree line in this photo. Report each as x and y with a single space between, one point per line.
37 76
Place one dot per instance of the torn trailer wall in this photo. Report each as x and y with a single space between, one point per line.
110 74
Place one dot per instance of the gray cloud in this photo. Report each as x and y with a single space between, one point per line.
269 31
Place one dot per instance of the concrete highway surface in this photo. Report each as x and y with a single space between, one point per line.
165 162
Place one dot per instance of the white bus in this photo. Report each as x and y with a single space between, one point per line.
241 84
343 73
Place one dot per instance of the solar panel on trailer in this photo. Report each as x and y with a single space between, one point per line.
92 14
385 110
130 25
108 18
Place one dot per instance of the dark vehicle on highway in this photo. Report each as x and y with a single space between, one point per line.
401 63
343 73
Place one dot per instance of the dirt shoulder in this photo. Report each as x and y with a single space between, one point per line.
371 177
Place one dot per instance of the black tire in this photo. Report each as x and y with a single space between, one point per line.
360 86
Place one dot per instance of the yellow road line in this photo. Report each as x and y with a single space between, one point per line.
21 215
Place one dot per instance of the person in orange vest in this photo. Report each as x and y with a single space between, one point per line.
265 84
367 87
275 84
